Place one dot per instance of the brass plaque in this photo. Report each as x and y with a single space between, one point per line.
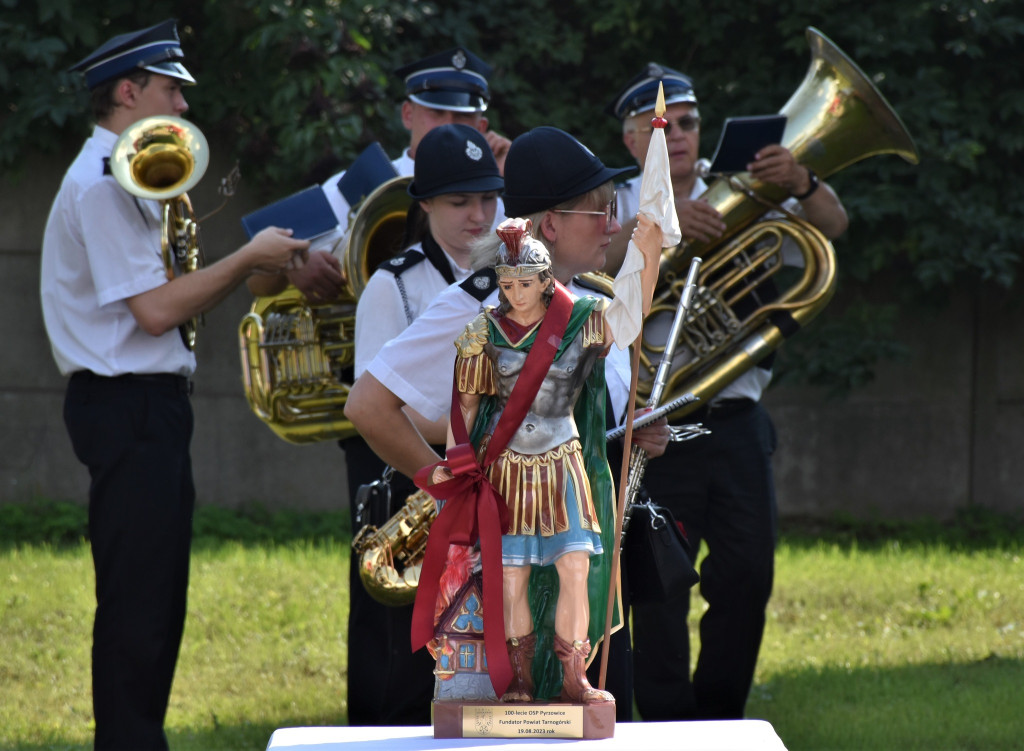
523 721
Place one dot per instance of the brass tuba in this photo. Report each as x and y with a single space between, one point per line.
835 118
161 158
297 357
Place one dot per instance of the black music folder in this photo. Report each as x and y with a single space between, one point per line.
370 169
742 137
307 213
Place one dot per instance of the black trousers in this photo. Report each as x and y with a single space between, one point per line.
619 675
388 684
721 488
133 434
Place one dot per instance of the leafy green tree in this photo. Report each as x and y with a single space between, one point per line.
297 89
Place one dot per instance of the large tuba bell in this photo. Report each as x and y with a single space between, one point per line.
297 357
161 158
835 118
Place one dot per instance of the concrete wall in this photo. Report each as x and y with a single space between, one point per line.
932 434
236 459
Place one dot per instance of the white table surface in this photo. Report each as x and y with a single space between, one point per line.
733 735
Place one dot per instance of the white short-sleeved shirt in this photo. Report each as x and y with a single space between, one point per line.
101 246
391 302
752 383
418 365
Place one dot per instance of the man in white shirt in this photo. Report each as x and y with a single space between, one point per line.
719 486
112 317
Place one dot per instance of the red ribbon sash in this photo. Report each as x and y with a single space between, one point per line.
474 509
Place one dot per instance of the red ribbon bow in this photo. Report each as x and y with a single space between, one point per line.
474 509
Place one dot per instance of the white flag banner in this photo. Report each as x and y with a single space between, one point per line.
625 311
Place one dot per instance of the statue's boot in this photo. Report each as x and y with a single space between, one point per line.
575 686
520 653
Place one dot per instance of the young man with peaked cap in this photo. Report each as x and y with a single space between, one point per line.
719 486
112 317
553 179
447 87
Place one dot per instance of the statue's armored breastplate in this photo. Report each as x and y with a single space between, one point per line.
549 422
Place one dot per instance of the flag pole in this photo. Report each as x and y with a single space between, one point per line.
658 122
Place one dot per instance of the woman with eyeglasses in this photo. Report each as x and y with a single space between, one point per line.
565 191
530 402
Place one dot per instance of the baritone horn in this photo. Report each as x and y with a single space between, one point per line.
297 357
835 118
161 158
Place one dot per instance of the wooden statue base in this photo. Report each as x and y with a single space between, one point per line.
494 719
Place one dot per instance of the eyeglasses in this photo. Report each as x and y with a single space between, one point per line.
610 211
686 123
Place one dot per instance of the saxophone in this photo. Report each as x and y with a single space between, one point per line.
390 557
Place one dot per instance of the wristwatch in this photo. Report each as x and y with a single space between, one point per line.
815 182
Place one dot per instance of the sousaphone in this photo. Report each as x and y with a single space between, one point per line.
835 118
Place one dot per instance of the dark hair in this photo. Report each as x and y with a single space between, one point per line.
102 97
416 226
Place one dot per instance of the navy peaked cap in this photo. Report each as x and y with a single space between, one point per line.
454 158
156 49
546 167
452 80
641 93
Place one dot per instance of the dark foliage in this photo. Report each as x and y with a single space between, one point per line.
298 89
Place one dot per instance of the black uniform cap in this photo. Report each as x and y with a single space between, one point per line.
454 158
547 166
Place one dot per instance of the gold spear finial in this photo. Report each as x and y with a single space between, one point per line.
659 121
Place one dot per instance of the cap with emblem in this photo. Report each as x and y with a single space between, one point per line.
547 166
453 80
641 93
454 158
156 49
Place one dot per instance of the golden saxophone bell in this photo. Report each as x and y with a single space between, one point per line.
390 558
161 158
835 118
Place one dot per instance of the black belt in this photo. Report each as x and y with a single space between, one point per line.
719 409
180 383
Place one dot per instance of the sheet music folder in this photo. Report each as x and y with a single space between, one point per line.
307 213
742 137
371 169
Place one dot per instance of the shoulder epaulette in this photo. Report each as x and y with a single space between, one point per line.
480 284
404 262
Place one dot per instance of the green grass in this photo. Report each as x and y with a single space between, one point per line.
894 647
879 636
